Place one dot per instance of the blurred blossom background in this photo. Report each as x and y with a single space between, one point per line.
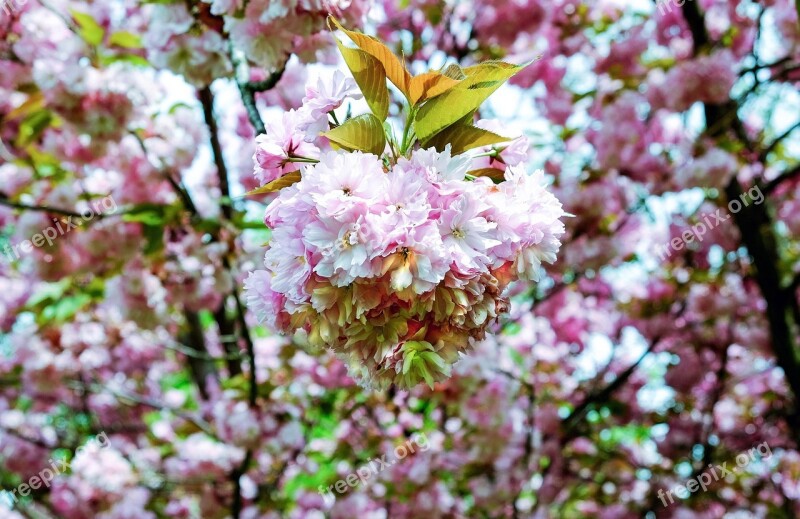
623 372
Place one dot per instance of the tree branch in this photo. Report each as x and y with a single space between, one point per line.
197 421
248 91
569 423
251 352
201 367
225 325
774 144
773 184
207 100
176 185
755 227
42 208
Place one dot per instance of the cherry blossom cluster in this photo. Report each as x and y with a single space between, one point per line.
130 325
192 40
397 267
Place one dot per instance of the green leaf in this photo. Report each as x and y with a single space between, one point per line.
454 71
132 59
148 214
423 370
145 217
65 308
481 81
175 107
463 137
495 174
429 85
370 77
395 69
364 133
277 184
517 357
125 39
408 360
33 126
49 291
434 358
34 102
91 31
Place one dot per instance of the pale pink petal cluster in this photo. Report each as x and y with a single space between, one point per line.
286 138
713 169
706 79
295 135
398 268
329 93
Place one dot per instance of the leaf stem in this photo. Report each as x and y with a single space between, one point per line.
302 159
491 153
407 141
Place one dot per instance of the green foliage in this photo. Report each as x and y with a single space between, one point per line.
153 218
61 309
429 85
480 82
33 125
495 174
45 165
88 28
463 137
416 89
394 68
362 133
370 77
125 39
441 104
131 59
60 302
182 382
420 362
277 184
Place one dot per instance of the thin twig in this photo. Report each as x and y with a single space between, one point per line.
783 177
199 422
248 90
177 185
774 144
56 210
207 101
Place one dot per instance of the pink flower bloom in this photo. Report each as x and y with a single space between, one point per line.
329 94
290 265
284 140
537 221
404 203
262 300
396 271
706 79
347 248
715 168
467 235
343 180
509 154
436 166
418 260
